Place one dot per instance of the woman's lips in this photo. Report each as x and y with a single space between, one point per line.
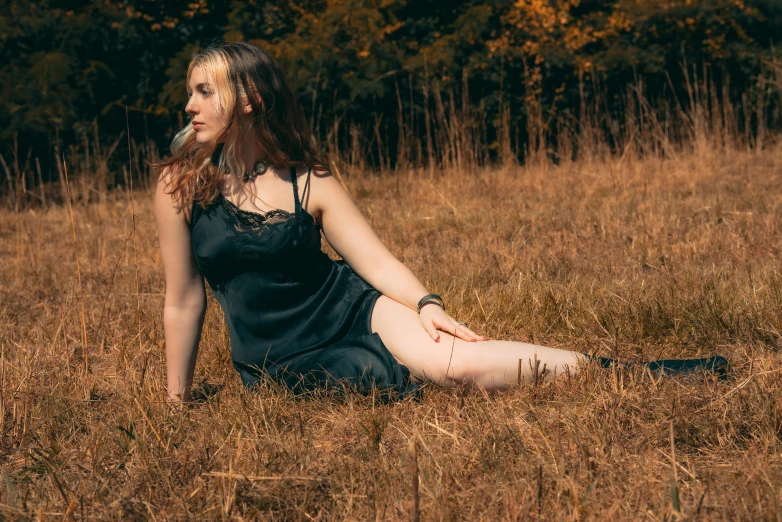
197 125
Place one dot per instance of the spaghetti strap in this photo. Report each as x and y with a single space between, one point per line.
306 185
295 191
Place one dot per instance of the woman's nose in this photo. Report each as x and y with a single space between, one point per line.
191 108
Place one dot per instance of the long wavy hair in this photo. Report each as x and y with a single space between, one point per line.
240 74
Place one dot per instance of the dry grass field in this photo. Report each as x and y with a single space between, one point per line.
636 258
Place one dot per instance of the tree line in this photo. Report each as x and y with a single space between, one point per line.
389 82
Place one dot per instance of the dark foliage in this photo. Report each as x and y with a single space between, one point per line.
374 69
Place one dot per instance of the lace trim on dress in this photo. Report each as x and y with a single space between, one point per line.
246 219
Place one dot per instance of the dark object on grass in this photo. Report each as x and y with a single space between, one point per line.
716 365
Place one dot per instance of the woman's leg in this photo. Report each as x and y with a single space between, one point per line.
492 364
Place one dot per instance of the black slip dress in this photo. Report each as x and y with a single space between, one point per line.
292 313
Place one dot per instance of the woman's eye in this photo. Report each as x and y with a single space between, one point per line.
206 93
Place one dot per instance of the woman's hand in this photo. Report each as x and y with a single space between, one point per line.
434 318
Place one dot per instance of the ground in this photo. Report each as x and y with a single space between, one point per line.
635 258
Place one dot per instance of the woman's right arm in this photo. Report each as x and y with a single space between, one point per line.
183 313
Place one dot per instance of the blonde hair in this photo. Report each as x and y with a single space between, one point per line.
239 74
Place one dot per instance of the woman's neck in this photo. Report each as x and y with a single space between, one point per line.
250 155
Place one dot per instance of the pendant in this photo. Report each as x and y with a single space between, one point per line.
259 168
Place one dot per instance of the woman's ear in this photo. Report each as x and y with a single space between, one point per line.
248 108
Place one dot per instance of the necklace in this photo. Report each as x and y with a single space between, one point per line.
258 169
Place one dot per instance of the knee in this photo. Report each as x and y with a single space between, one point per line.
465 368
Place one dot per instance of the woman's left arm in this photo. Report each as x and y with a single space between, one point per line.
349 233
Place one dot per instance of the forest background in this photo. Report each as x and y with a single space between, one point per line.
391 83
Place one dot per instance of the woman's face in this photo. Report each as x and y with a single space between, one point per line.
202 106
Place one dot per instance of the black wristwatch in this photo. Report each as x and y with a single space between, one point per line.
431 298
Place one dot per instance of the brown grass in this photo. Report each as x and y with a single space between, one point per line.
635 258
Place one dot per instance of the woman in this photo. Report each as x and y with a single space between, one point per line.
242 201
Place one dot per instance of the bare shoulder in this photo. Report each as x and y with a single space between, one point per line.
182 274
322 189
166 207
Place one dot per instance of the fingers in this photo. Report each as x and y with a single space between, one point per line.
431 329
462 332
459 329
439 320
